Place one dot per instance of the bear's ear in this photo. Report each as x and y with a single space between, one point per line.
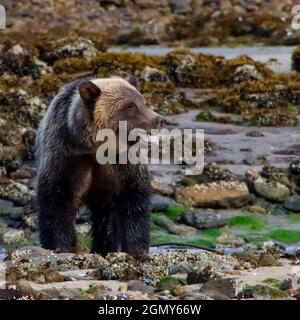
89 92
133 80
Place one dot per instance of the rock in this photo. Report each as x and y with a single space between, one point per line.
294 167
214 195
173 227
228 287
180 6
153 74
136 285
16 192
58 289
13 236
160 203
292 204
29 137
22 106
162 188
35 261
205 219
294 174
31 221
10 159
36 258
16 213
258 259
246 72
64 48
18 60
230 240
257 209
211 173
278 210
182 66
271 189
263 292
169 283
255 134
5 207
200 276
267 260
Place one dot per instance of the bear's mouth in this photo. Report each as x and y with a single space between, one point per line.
152 138
147 137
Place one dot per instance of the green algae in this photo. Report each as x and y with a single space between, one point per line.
175 212
293 218
85 240
168 282
275 283
159 237
247 222
284 235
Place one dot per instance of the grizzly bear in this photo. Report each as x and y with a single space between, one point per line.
69 175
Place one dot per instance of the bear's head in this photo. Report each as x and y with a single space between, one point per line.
112 100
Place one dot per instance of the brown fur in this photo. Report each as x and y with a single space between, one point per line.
68 174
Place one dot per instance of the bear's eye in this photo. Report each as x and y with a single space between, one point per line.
131 106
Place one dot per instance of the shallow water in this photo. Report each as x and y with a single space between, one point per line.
2 254
239 152
280 54
172 248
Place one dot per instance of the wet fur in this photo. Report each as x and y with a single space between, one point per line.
69 176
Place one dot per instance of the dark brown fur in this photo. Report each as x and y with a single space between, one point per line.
69 176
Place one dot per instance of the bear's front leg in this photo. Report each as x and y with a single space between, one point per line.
120 226
106 227
136 229
57 213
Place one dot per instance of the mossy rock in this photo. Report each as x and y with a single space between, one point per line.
272 282
169 282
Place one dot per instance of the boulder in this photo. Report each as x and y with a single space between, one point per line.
271 189
223 194
205 219
160 203
172 227
292 204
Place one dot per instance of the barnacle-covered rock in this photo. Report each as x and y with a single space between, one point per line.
211 173
246 72
294 174
68 47
20 61
153 74
19 105
29 136
17 192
